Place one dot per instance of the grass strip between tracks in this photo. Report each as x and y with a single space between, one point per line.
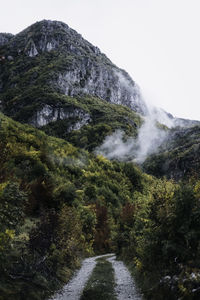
101 284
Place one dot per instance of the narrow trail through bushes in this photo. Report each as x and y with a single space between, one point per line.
124 286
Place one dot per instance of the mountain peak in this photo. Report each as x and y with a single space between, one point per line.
47 35
50 54
46 27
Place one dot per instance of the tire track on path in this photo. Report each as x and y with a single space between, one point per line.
125 287
74 288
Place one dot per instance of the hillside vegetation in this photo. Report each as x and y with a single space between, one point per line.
60 203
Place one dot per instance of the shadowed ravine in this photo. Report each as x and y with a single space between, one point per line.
124 283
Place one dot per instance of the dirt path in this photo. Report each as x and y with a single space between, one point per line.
74 288
125 286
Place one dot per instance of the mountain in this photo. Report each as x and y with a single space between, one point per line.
53 79
47 63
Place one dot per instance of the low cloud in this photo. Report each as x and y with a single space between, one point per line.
116 147
150 137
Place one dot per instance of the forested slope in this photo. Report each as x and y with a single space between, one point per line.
59 203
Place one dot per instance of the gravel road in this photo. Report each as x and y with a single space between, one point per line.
74 288
125 287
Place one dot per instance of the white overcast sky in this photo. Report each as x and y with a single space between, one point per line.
156 41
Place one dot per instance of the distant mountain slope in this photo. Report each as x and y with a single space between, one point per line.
169 120
179 155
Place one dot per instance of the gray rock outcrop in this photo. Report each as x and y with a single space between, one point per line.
49 114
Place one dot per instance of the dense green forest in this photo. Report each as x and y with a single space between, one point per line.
60 203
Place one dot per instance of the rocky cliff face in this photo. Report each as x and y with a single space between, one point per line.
51 56
49 114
